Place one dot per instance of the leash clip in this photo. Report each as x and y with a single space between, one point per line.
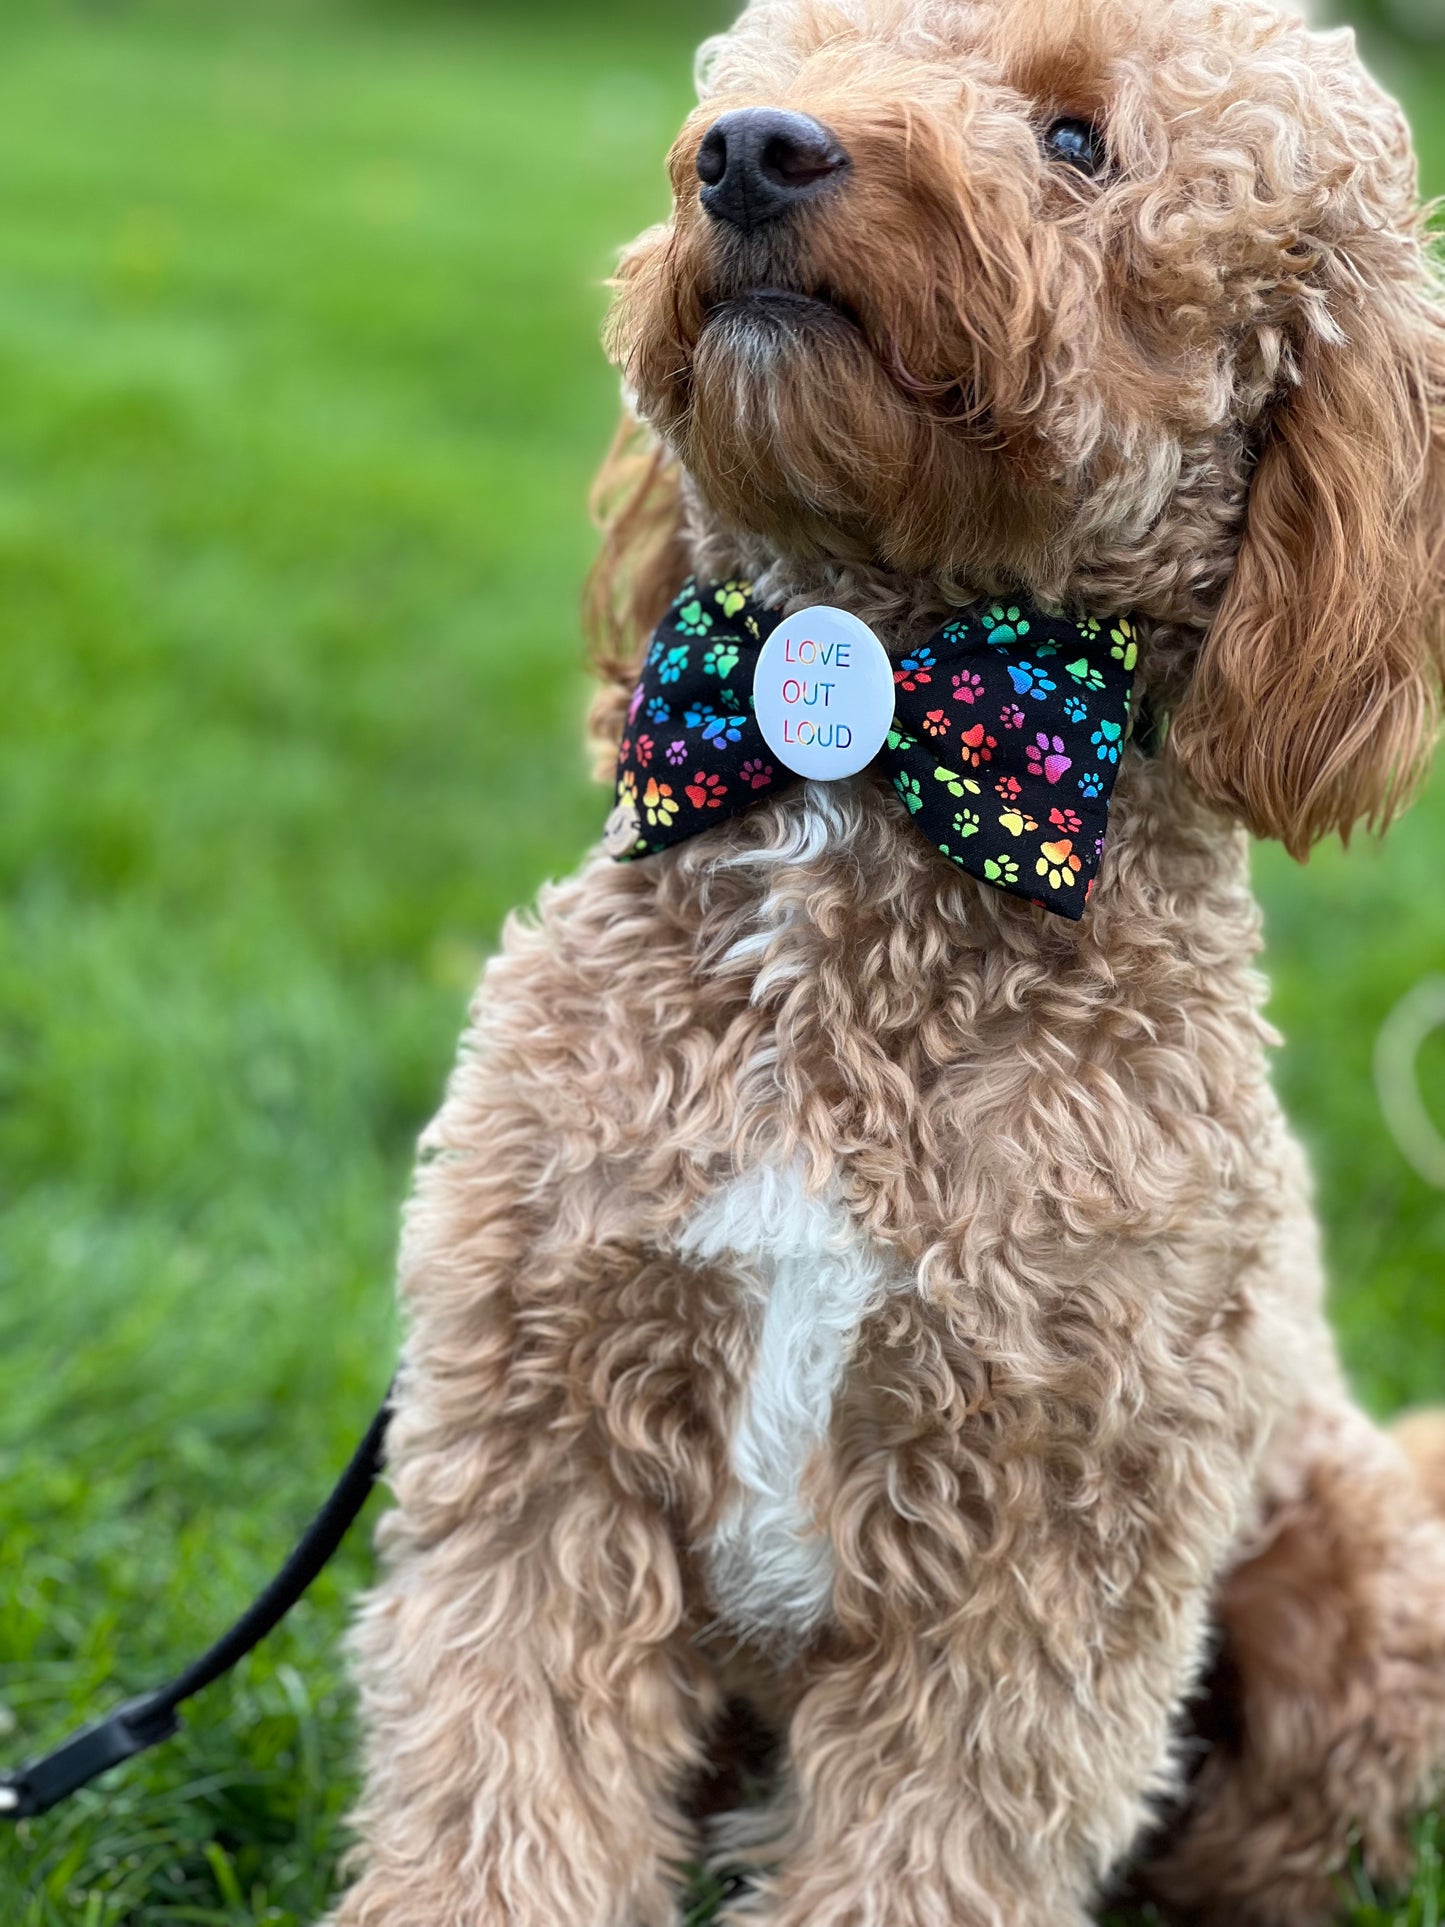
132 1728
144 1722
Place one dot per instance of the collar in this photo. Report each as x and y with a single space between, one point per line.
1004 742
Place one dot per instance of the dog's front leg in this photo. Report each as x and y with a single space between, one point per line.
531 1701
530 1716
929 1794
986 1778
1020 1603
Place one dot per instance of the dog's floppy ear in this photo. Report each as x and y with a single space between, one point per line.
1313 704
641 565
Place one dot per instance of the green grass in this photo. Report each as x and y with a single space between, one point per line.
298 401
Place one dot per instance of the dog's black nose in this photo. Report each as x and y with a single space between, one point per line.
760 162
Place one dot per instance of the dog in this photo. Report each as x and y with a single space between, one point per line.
859 1275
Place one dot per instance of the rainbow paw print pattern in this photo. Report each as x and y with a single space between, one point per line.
1009 727
707 760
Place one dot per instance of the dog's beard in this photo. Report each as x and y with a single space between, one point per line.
794 430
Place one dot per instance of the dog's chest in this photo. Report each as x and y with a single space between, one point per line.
809 1276
812 1279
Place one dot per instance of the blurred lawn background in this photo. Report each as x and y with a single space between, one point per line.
299 398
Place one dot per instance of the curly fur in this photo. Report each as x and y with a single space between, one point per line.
1083 1433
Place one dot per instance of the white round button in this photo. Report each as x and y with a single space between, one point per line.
823 693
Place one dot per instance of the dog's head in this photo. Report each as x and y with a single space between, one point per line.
1117 302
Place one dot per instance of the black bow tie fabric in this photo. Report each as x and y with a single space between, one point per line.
1008 728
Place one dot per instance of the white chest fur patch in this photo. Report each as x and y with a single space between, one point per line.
815 1278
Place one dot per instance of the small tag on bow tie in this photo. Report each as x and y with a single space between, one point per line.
622 830
823 693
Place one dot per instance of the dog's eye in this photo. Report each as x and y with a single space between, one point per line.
1077 143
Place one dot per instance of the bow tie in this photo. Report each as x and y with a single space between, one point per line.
1004 741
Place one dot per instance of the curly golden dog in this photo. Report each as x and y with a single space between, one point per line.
843 1287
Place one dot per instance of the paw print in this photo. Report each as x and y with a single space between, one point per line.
916 670
721 659
1016 822
1001 869
1011 716
954 783
1075 708
1091 784
658 711
677 752
1088 628
1048 758
756 773
935 723
635 704
1107 739
1058 865
659 805
977 746
1009 788
955 631
673 663
642 750
1122 644
731 597
965 823
907 788
900 739
706 791
1066 820
723 729
1029 680
693 619
1083 671
967 687
626 790
1003 626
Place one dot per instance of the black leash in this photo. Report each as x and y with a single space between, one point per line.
143 1723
